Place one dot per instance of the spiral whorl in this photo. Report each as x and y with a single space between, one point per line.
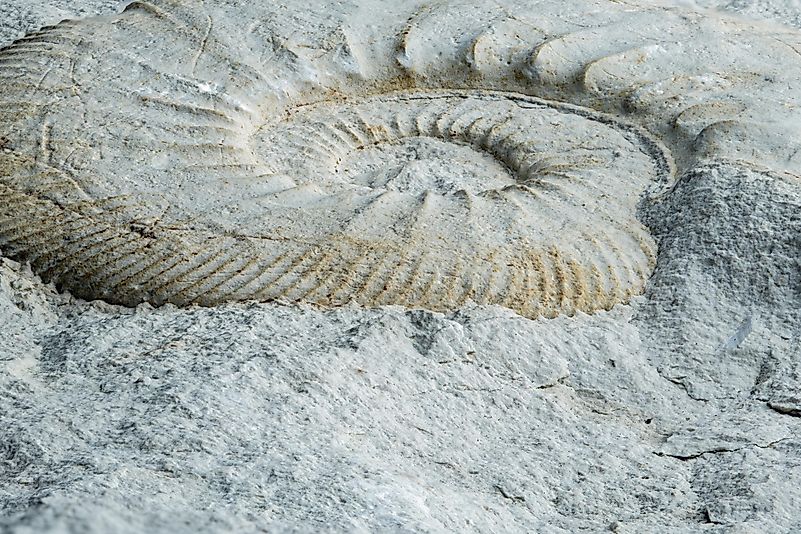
170 154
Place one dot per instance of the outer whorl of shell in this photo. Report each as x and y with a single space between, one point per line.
171 155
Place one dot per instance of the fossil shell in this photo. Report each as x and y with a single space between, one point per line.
193 153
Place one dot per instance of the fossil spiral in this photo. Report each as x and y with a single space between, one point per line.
421 154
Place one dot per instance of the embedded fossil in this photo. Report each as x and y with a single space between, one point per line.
448 152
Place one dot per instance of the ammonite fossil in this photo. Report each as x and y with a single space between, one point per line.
418 153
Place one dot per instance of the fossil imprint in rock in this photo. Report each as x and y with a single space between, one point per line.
441 153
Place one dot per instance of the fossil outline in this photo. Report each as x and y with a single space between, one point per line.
89 242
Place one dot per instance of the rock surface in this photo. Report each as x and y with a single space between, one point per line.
676 413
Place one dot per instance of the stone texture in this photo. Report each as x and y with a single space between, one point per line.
262 417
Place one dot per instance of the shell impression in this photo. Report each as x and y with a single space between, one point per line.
410 153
